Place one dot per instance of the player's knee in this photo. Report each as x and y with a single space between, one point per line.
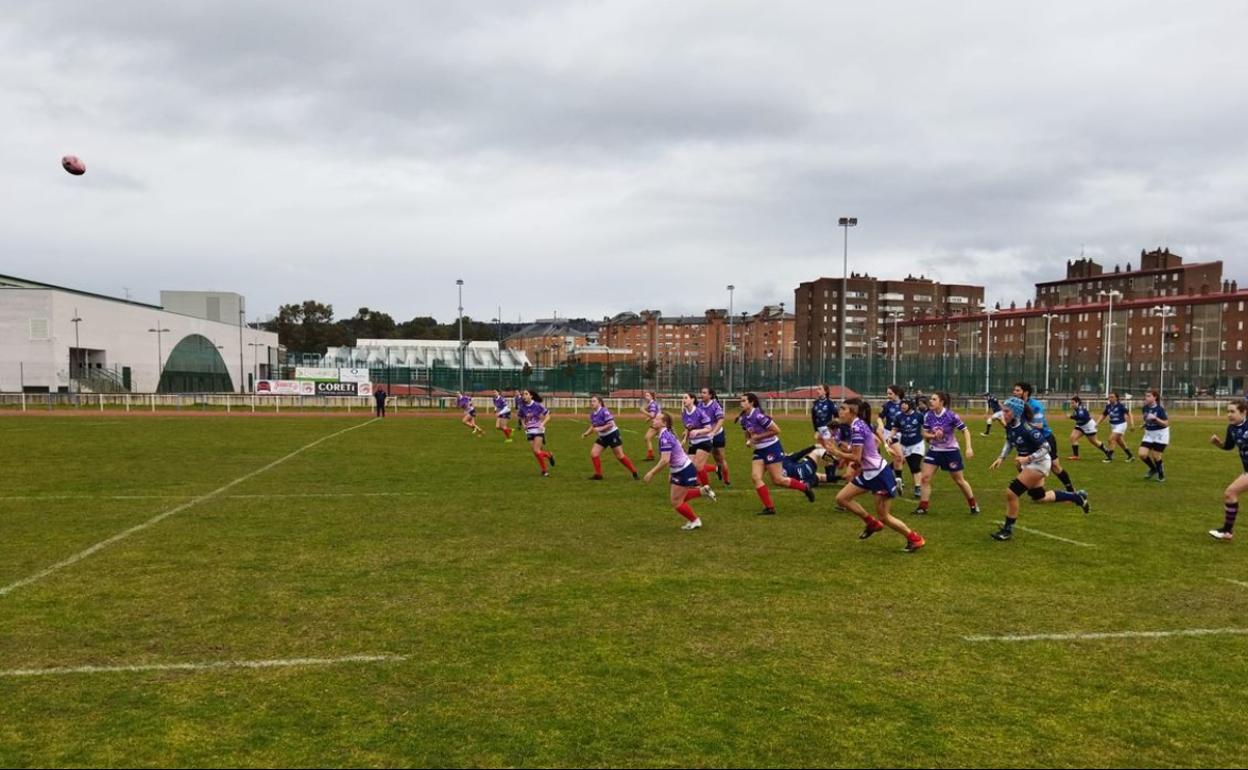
1036 494
1016 490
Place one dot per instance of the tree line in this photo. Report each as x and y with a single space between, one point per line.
309 327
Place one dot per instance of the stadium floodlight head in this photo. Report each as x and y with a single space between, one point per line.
847 222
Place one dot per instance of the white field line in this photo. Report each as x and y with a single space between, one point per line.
260 496
70 561
1055 537
202 666
1087 637
1239 583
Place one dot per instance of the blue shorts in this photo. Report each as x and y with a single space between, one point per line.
611 440
504 415
686 476
702 446
770 455
720 440
884 484
471 412
531 436
948 460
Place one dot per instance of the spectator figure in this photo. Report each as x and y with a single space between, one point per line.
380 396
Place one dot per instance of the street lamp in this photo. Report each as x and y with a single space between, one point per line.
846 223
1061 367
731 338
77 346
160 355
1109 331
896 343
1048 345
459 282
1201 365
1163 312
255 362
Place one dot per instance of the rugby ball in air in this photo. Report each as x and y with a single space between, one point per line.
74 165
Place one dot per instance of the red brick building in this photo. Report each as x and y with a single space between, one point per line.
701 340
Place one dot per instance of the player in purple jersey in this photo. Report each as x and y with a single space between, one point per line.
602 422
874 475
763 436
698 430
684 477
719 438
650 409
533 418
502 415
469 418
940 427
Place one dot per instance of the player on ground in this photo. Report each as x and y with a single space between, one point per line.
1085 427
698 431
602 422
940 427
684 477
719 438
1156 435
502 415
533 416
907 433
1236 438
1031 443
650 408
763 436
874 476
810 465
1023 390
469 418
1120 420
994 412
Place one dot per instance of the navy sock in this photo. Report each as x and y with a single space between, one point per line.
1009 524
1232 510
1066 497
1149 462
1064 477
1074 448
1161 469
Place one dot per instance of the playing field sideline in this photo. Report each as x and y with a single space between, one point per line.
333 590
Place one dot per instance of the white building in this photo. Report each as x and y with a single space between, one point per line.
421 354
54 339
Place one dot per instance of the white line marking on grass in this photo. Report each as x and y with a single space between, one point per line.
1055 537
261 495
162 516
203 666
1087 637
1240 583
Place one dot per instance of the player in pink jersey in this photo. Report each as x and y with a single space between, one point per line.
682 474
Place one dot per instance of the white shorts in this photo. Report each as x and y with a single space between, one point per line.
1040 465
919 449
998 416
1120 429
1157 436
503 415
1088 428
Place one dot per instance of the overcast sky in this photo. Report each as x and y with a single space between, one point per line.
593 157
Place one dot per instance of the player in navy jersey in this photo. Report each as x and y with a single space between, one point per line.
889 414
994 412
1156 435
810 465
1029 441
533 418
469 417
1236 438
823 413
1085 427
699 428
908 434
1120 420
602 422
1024 390
683 477
502 415
940 428
650 408
874 476
719 437
763 436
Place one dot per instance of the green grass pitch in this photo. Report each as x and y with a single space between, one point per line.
562 622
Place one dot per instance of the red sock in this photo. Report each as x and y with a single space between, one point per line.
723 468
798 485
692 494
871 521
545 455
627 463
684 510
541 461
923 505
709 468
507 432
703 479
764 495
597 465
970 501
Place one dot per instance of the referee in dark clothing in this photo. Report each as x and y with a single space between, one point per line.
380 395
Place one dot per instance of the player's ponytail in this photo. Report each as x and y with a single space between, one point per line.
667 420
753 399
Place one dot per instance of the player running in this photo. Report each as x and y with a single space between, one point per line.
994 413
1030 442
469 418
1156 435
698 431
684 477
1023 391
907 433
887 421
650 409
823 414
602 422
874 476
940 427
533 416
502 415
1085 427
763 436
1120 420
719 437
1236 438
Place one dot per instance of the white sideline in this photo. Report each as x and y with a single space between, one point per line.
162 516
1055 537
203 666
1081 637
1239 583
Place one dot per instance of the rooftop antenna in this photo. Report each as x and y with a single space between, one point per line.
126 289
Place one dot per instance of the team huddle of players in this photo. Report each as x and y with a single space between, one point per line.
918 434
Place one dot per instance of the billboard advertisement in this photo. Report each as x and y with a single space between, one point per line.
353 375
285 388
337 388
316 374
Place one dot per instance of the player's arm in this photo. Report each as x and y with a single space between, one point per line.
1227 444
970 451
664 459
1163 423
